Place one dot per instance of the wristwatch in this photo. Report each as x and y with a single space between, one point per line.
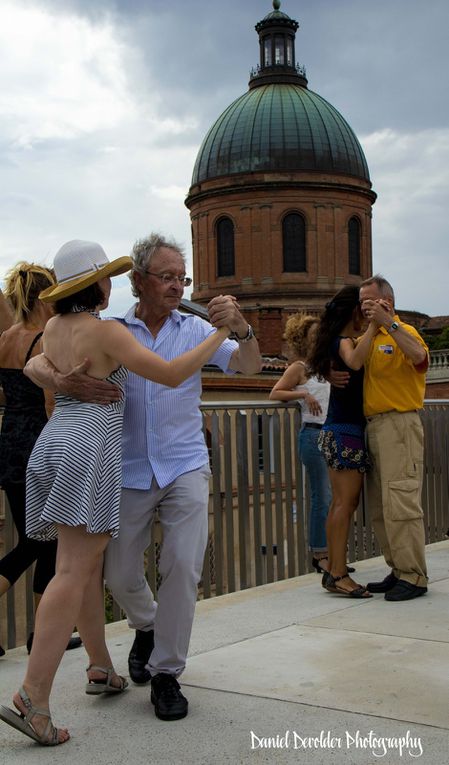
246 338
393 327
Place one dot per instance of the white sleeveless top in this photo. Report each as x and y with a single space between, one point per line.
319 390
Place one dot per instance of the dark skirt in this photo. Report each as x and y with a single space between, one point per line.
343 447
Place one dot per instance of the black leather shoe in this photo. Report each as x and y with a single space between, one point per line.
74 642
169 703
2 651
405 591
139 655
385 585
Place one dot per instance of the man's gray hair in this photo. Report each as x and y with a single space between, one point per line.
145 249
384 287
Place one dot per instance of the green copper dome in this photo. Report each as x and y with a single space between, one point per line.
279 127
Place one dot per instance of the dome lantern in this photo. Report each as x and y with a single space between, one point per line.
277 33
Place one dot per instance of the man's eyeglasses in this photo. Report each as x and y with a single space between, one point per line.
185 281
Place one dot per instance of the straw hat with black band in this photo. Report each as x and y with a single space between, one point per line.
77 265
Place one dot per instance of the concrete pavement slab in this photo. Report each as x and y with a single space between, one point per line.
426 618
243 638
221 729
352 671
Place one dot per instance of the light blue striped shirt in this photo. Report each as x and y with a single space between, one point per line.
162 427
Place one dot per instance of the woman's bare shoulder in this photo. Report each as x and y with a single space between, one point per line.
114 328
52 324
295 373
299 367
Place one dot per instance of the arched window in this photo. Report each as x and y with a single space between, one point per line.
225 247
294 242
354 246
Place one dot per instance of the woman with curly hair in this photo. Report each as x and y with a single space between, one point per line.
296 384
342 436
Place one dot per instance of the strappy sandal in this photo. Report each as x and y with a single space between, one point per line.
330 584
316 565
23 722
95 687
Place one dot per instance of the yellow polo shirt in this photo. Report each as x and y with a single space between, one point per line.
391 381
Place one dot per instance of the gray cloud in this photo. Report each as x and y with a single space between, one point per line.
107 150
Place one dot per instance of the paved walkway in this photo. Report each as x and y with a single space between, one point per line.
322 679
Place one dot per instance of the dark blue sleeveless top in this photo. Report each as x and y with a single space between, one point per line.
345 404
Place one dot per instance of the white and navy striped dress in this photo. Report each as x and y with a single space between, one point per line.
74 474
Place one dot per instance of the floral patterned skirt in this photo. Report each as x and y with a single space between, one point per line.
343 447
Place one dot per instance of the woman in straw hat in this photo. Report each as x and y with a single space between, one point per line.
74 477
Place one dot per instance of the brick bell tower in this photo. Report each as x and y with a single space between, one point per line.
281 198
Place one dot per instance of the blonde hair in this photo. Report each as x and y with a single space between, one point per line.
297 331
23 285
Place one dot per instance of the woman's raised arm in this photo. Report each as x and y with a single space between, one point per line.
119 343
355 356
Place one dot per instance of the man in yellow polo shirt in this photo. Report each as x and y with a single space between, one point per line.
394 388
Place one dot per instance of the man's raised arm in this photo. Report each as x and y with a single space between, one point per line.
384 315
224 311
75 383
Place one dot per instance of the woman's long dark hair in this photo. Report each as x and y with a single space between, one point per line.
334 318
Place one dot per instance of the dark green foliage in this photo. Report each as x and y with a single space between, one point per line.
437 342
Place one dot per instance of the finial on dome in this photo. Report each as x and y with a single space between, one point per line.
276 4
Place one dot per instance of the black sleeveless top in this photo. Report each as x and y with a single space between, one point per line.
23 420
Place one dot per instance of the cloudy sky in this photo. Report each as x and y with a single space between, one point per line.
104 104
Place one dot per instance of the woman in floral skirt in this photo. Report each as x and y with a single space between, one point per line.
342 439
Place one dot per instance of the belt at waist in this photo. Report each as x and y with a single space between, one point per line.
371 417
313 425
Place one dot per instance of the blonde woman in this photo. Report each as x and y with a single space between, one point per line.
74 477
26 413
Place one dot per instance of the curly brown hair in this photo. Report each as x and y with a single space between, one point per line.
297 331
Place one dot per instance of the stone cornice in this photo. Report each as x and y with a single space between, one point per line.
338 185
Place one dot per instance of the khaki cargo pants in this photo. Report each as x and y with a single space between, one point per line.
395 442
